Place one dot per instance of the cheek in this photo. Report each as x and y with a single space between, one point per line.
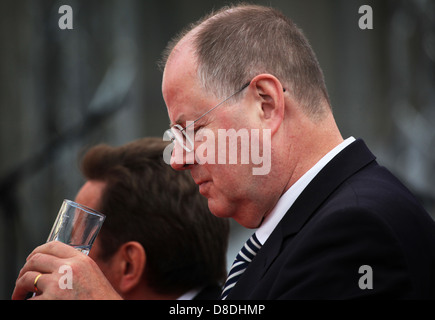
232 181
233 195
236 118
105 267
110 272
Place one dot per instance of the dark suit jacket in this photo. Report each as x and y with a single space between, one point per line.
211 292
353 213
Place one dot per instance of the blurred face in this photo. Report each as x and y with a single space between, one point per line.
231 189
89 195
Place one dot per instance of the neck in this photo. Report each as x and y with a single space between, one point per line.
310 144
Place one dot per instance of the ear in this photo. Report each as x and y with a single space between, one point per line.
270 93
133 265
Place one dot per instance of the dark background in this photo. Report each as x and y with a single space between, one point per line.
64 90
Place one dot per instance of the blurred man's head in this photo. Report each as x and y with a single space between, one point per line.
159 239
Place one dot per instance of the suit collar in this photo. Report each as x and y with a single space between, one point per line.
340 168
290 196
350 160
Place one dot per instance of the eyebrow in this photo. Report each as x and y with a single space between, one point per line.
182 121
178 121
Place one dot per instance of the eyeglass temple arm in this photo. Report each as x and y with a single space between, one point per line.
241 89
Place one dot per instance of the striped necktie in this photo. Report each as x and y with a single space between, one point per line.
243 258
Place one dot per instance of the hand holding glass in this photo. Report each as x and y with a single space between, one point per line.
77 226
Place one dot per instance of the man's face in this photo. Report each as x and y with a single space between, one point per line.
231 189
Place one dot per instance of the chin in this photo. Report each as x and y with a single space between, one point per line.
218 209
247 222
228 211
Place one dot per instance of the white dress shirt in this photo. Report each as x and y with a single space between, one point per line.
189 295
290 196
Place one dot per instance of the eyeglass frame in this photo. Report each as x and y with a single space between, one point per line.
173 136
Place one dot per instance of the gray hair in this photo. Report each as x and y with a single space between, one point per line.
237 43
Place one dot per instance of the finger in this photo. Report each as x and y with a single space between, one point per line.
25 284
38 297
41 263
55 248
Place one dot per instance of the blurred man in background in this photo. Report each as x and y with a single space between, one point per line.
159 240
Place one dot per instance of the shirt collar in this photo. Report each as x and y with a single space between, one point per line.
290 196
189 295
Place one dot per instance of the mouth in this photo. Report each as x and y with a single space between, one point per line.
201 182
199 179
203 186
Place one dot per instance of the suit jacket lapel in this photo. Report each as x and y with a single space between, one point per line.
341 167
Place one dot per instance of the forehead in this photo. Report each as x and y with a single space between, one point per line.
90 193
185 98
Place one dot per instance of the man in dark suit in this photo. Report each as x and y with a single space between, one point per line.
354 213
331 223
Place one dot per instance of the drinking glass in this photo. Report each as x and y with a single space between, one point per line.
77 226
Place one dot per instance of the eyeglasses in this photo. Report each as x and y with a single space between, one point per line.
179 134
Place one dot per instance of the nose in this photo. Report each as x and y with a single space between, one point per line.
180 158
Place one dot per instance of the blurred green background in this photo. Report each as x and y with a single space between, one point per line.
64 90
